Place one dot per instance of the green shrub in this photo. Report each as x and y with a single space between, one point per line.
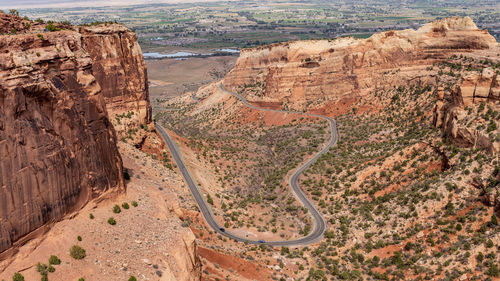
51 268
54 260
51 27
17 277
77 252
489 243
493 221
493 270
480 257
125 206
112 221
132 278
134 203
41 268
209 199
40 36
79 238
81 279
91 216
116 209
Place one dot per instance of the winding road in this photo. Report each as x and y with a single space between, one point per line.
319 221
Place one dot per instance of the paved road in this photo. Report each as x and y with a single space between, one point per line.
319 222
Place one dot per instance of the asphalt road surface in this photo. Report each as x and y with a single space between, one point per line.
319 221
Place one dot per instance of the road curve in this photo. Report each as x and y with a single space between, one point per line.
319 221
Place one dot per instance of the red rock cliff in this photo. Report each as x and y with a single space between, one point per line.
119 67
57 144
303 74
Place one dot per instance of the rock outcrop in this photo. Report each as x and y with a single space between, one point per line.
186 265
452 115
11 24
303 74
57 143
114 50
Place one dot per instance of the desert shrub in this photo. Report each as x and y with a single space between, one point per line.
51 27
41 268
77 252
493 220
40 36
17 277
54 260
79 238
125 206
209 199
132 278
81 279
116 209
112 221
91 216
489 243
134 203
493 270
480 257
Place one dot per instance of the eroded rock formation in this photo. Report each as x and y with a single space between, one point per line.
305 74
57 143
452 115
114 50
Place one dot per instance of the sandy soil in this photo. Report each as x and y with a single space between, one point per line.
172 77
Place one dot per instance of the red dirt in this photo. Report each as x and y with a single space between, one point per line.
269 105
269 118
243 267
332 109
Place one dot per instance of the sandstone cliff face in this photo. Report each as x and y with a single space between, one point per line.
57 145
120 70
60 93
303 74
186 264
453 111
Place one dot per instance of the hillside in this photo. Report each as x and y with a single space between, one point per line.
411 189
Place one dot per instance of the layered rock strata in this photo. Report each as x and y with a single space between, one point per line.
57 143
304 74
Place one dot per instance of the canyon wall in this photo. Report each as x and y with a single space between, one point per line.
306 74
57 144
120 70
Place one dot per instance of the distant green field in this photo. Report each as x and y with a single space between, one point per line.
249 23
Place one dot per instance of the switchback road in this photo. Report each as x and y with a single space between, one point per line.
319 222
